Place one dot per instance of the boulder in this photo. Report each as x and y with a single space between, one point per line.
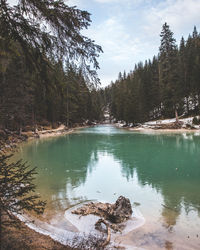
120 211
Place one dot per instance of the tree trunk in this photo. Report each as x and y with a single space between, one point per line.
67 108
20 129
176 115
187 105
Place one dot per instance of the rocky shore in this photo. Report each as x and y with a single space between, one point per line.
10 139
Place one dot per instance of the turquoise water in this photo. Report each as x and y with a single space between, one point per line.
159 173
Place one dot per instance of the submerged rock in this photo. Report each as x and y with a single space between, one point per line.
118 212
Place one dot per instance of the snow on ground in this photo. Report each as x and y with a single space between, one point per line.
167 121
152 124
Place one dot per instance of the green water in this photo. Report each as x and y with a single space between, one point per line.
159 172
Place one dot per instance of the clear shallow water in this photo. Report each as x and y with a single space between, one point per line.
161 172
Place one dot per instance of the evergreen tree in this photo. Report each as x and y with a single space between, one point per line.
26 23
16 192
169 83
183 75
35 88
168 72
196 66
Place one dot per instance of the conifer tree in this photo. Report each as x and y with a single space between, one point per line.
168 71
169 83
51 28
16 192
183 74
36 39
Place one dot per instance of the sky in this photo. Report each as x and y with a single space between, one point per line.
129 30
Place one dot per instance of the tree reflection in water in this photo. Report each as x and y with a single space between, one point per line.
166 163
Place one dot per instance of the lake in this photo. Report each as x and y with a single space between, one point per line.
158 172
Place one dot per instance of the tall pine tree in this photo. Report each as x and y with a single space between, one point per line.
168 72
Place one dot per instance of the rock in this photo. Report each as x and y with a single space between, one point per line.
120 211
136 204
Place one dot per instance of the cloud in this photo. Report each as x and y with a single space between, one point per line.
109 1
13 2
73 2
121 2
128 42
120 48
118 42
181 15
106 1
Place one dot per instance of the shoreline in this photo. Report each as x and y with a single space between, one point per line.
163 126
26 238
155 130
13 140
10 144
81 235
180 130
62 130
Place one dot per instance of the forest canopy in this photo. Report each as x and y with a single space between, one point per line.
164 87
49 28
47 67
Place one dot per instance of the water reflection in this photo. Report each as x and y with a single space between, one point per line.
103 162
